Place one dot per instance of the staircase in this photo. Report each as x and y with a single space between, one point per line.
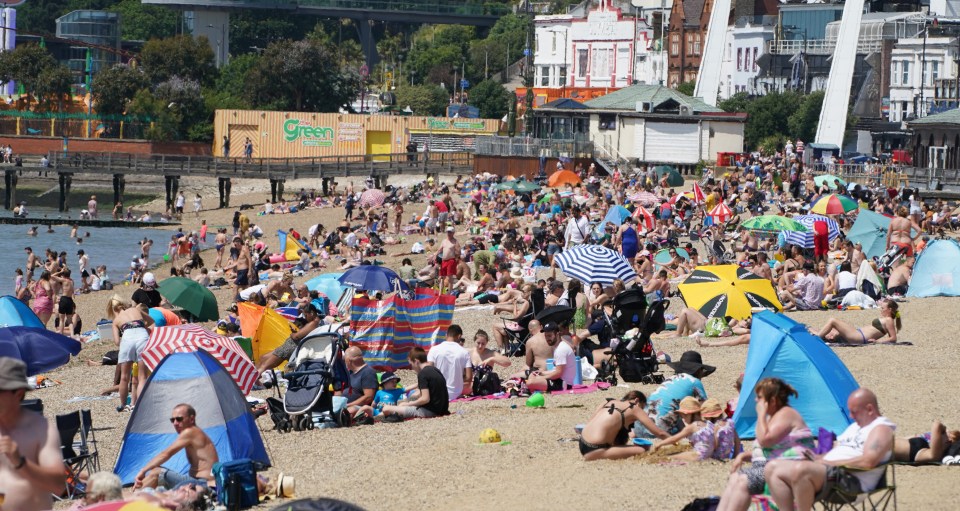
609 158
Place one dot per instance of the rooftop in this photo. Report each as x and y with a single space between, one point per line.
658 95
948 117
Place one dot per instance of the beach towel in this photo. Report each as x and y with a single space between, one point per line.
577 389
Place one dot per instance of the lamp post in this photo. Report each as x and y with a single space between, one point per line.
220 42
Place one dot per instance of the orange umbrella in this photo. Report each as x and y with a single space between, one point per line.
563 177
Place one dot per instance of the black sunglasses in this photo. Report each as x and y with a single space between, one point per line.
176 419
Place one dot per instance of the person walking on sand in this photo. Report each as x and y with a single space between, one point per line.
131 331
242 266
31 466
197 205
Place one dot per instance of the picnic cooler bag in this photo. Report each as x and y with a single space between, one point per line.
236 484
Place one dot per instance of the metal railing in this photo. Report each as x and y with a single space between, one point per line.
432 7
272 168
817 46
534 147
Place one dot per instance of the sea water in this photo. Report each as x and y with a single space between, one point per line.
114 247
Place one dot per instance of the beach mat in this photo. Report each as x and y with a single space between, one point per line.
858 345
577 389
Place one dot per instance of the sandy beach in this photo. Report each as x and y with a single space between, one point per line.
440 464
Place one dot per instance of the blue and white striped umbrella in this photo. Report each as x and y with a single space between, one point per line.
805 239
593 263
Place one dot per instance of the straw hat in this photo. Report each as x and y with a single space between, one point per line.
689 405
516 273
286 486
711 408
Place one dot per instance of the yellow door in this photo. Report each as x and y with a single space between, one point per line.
378 144
239 133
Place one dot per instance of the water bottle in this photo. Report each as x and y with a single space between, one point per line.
631 344
578 378
550 364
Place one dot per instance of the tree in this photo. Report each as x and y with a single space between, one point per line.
739 102
491 98
182 55
37 71
803 122
767 117
183 99
301 76
141 22
423 99
163 120
502 47
688 88
113 88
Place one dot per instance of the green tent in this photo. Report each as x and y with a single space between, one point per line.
673 177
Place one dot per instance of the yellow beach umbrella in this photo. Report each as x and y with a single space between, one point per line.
727 290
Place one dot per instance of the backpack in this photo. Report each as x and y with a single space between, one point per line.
236 484
486 382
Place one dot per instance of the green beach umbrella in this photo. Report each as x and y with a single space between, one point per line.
190 296
829 180
506 185
525 186
545 198
773 223
673 177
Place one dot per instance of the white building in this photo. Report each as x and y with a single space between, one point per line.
916 71
586 56
743 46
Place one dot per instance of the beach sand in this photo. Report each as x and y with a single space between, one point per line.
440 464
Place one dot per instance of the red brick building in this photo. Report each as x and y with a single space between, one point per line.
687 36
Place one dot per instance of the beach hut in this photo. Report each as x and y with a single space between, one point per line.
196 379
937 270
783 348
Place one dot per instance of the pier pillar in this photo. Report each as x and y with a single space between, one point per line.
65 179
276 190
223 186
10 189
172 185
119 183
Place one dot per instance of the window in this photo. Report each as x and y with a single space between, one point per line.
755 52
563 76
739 59
696 44
553 42
544 76
608 122
689 46
600 67
674 45
895 73
582 63
931 71
905 73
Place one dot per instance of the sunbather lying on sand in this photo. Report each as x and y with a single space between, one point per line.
930 447
882 330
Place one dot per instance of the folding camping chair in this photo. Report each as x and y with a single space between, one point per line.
877 499
79 454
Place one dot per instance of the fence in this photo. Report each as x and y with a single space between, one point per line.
72 125
534 147
865 173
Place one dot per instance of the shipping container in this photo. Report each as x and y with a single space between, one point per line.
310 135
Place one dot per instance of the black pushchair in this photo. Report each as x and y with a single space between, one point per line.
315 366
632 355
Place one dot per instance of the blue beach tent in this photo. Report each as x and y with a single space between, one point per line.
199 380
783 348
937 270
13 312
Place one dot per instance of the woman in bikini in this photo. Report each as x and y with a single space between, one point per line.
606 435
43 297
881 330
131 331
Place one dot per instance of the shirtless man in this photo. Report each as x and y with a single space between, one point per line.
31 466
241 266
760 266
219 243
66 308
900 278
32 262
145 246
449 256
540 348
659 286
899 231
200 451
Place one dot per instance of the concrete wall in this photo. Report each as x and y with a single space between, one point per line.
727 137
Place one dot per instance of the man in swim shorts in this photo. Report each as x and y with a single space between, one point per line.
449 257
899 233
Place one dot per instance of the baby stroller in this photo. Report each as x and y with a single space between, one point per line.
633 355
315 365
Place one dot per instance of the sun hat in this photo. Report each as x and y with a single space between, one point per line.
388 376
149 280
690 363
690 405
711 408
13 374
286 485
516 273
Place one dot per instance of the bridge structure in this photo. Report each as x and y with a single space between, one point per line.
211 17
123 166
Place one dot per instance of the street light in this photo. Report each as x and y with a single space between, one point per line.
220 42
566 66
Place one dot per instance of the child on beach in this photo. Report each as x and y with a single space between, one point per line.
388 394
701 433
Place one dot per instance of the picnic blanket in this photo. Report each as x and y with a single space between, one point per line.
577 389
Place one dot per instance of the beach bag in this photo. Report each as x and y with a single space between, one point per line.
715 327
486 382
236 484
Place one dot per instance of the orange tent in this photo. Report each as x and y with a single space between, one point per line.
265 327
562 178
